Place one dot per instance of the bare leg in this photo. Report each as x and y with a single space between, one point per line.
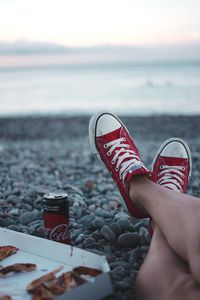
177 215
164 275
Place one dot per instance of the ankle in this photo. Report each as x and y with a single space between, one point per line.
137 184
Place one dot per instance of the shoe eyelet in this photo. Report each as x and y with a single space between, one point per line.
128 146
116 169
124 139
183 168
112 161
161 167
105 146
183 176
109 153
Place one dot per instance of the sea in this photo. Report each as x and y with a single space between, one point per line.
129 88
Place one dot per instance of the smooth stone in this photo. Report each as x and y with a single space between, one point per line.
142 231
123 285
80 238
77 198
96 235
90 185
86 221
119 263
28 217
147 238
27 206
120 271
138 225
108 233
72 188
98 223
128 240
4 222
92 207
13 199
121 215
106 207
88 242
39 232
116 229
96 251
103 188
125 224
14 211
102 213
37 203
132 259
76 233
79 212
13 227
113 204
136 252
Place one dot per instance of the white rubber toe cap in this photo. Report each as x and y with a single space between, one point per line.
106 123
174 149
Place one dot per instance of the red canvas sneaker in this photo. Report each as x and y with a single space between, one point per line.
172 165
111 143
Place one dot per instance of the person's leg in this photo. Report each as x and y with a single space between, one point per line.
177 215
164 275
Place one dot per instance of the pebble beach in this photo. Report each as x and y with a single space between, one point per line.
52 154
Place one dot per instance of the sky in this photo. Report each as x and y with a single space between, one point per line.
100 22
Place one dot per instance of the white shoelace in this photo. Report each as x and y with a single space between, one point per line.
122 154
170 177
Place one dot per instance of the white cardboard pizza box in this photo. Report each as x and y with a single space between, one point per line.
48 255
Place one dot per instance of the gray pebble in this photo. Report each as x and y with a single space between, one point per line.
98 223
28 217
119 263
125 224
121 215
147 238
142 231
14 211
86 221
79 212
108 233
116 229
138 225
77 198
13 199
128 240
4 222
123 285
102 213
103 187
88 242
72 188
76 233
96 235
120 271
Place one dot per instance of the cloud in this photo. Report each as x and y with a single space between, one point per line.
21 47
